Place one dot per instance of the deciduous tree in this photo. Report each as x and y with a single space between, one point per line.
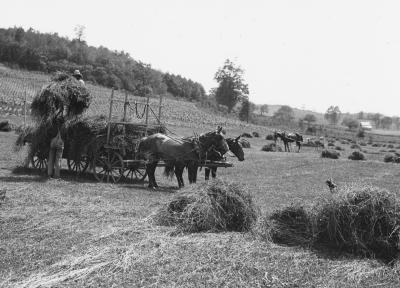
231 87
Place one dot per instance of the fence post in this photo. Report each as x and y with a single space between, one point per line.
109 116
147 113
24 109
126 103
159 110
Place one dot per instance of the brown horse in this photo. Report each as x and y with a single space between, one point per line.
178 152
234 146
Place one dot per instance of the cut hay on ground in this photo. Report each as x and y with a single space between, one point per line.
332 154
215 206
363 221
356 155
271 147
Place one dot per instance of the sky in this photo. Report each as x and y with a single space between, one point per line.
306 54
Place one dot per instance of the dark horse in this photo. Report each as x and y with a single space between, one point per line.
177 152
234 146
288 138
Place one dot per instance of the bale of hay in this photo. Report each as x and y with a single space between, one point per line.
271 147
330 154
214 206
391 158
388 158
5 126
363 221
290 226
63 97
269 137
356 155
245 143
246 135
256 134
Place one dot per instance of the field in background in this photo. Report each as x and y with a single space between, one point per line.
15 83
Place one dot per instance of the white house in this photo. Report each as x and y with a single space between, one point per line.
366 125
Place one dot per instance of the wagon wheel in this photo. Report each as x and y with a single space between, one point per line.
39 161
78 166
108 166
135 174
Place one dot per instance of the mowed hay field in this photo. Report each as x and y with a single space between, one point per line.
80 233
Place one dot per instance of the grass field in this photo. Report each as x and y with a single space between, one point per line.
80 233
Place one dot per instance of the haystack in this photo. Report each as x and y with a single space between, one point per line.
364 221
332 154
215 206
64 98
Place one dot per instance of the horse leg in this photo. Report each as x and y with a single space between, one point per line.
151 169
207 173
214 172
192 171
178 173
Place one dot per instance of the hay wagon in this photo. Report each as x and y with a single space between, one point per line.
110 149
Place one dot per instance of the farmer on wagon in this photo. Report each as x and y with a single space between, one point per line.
78 76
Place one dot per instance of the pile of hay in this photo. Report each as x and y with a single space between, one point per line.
271 147
215 206
339 148
356 155
330 154
245 143
289 226
363 221
64 97
246 135
270 137
6 126
391 158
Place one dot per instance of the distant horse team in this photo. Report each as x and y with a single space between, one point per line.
288 138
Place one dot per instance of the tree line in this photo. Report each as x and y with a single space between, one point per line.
49 53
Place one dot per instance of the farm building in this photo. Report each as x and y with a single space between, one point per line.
366 125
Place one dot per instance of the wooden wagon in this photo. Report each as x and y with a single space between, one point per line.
112 156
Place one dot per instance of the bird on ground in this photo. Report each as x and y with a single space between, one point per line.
2 195
332 186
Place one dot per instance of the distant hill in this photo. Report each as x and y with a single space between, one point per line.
45 52
298 113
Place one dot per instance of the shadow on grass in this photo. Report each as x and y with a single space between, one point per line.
288 234
70 176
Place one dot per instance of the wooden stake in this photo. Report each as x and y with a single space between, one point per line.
126 103
25 109
159 110
109 116
147 113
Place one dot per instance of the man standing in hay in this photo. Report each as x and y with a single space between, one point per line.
55 156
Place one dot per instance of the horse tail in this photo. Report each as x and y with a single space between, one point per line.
169 169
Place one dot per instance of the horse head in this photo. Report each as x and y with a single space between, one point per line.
214 139
236 147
